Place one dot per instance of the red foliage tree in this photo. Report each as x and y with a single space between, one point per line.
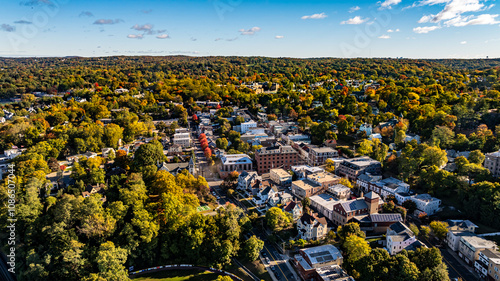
208 152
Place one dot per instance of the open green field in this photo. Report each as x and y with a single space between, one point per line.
179 275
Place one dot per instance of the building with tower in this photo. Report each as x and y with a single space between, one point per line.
344 211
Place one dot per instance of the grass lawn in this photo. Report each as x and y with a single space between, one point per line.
179 275
255 267
258 269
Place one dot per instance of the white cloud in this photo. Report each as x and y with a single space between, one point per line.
384 36
163 36
392 30
425 29
387 4
355 20
354 9
463 42
315 16
426 18
144 27
484 19
279 37
107 21
135 36
250 31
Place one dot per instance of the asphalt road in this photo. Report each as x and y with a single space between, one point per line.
278 265
5 275
455 269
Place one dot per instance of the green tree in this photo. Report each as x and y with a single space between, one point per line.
221 143
434 156
476 157
410 205
351 228
439 229
276 219
365 147
148 154
355 248
110 262
252 248
112 133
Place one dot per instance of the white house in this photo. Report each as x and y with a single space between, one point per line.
311 227
453 238
294 208
264 194
399 237
426 203
182 139
106 151
375 136
367 128
245 179
13 152
245 126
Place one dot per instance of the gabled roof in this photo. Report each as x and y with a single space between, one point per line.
290 206
312 220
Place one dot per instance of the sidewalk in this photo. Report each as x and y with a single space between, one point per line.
462 262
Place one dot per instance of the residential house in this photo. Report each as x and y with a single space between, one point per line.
175 149
426 203
319 155
398 238
482 264
295 208
354 167
375 136
383 187
461 225
74 158
470 246
281 177
410 137
93 189
246 178
234 162
312 227
492 163
106 151
245 126
175 168
279 198
264 194
367 128
453 238
13 152
494 268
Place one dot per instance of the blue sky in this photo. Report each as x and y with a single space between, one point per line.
389 28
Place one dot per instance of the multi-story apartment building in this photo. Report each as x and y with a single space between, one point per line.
324 179
494 267
354 167
312 227
486 258
234 162
319 155
281 177
182 139
268 158
492 163
470 246
306 188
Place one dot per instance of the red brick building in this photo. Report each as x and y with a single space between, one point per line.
268 158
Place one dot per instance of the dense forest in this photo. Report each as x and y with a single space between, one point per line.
56 107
